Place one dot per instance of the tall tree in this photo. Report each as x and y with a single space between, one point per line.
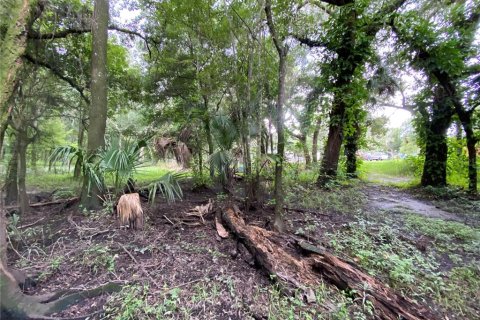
355 31
443 51
16 19
98 87
282 50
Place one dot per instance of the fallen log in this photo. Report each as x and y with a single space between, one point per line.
306 272
43 204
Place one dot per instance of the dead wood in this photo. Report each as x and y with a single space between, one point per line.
201 211
42 204
307 272
31 224
222 233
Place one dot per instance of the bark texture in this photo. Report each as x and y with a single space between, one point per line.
307 272
98 108
282 50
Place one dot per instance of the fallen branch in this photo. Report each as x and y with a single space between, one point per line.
305 273
168 219
201 211
138 264
222 233
42 204
30 224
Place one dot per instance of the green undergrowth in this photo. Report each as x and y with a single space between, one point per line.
448 235
346 198
420 272
222 297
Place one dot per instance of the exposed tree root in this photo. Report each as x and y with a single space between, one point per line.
15 304
307 272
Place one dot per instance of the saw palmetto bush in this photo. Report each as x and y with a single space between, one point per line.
225 134
117 163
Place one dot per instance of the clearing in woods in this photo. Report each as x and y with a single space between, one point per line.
424 246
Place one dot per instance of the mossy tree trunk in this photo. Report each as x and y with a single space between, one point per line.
436 149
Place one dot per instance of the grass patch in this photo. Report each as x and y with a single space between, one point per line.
48 181
398 172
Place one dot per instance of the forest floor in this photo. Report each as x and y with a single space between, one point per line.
425 245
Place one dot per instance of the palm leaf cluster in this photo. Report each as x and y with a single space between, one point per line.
118 162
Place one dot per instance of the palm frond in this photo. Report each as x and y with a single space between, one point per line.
169 186
225 132
121 162
94 176
222 160
65 155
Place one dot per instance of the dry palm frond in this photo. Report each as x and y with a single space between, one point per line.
129 210
201 211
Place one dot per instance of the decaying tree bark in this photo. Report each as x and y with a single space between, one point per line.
306 272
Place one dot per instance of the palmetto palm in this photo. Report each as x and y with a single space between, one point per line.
225 134
119 162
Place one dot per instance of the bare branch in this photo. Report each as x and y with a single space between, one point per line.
57 73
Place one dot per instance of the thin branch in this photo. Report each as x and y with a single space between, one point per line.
271 26
57 73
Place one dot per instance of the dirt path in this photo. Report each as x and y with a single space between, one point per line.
391 199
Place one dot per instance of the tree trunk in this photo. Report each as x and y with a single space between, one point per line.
278 188
331 154
3 130
208 133
466 119
316 133
472 163
436 149
11 185
351 148
22 138
305 273
12 47
306 152
77 171
98 108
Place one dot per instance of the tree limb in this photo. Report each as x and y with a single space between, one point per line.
271 26
57 73
309 42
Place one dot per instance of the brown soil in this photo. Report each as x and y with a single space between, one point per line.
172 255
66 248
